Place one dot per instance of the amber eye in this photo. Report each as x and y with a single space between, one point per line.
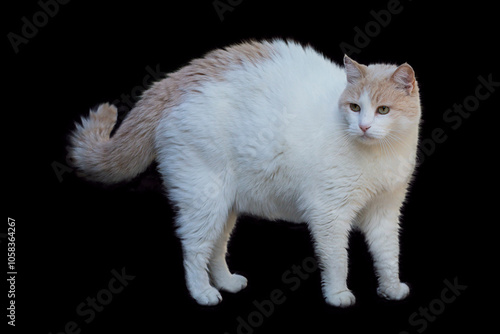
382 110
355 107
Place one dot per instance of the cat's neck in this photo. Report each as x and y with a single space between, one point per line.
396 146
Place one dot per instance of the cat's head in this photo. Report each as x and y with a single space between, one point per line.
380 102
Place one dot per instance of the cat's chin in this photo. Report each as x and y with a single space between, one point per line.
367 139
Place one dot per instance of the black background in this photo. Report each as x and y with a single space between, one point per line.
71 234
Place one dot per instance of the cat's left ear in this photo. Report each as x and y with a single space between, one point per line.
404 77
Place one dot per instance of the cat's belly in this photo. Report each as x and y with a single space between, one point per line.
267 205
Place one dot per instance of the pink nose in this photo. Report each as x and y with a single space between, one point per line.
364 127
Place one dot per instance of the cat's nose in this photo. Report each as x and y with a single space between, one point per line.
364 127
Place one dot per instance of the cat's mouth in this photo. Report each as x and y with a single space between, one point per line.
367 138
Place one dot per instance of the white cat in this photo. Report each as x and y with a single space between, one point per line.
271 129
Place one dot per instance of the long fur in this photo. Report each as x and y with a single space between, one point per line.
267 128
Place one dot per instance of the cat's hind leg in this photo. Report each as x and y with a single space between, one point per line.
204 202
219 272
198 238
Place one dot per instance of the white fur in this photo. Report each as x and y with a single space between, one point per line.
271 141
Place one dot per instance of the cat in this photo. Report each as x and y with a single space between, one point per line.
272 129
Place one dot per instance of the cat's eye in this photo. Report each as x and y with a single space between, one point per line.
355 107
382 110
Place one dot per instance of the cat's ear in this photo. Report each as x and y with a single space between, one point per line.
353 70
404 77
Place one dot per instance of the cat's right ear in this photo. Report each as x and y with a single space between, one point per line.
353 70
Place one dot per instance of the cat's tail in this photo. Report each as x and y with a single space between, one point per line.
98 157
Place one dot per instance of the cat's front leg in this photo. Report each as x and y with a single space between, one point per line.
380 225
331 240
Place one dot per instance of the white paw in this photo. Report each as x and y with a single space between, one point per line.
394 292
341 299
208 297
233 283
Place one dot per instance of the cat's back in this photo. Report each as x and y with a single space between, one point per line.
273 71
286 71
250 116
236 90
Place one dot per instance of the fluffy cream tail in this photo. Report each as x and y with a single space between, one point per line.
130 151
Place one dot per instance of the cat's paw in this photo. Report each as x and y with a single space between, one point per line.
341 299
398 291
208 297
233 283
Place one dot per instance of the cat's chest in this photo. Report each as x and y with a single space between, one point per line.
383 174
